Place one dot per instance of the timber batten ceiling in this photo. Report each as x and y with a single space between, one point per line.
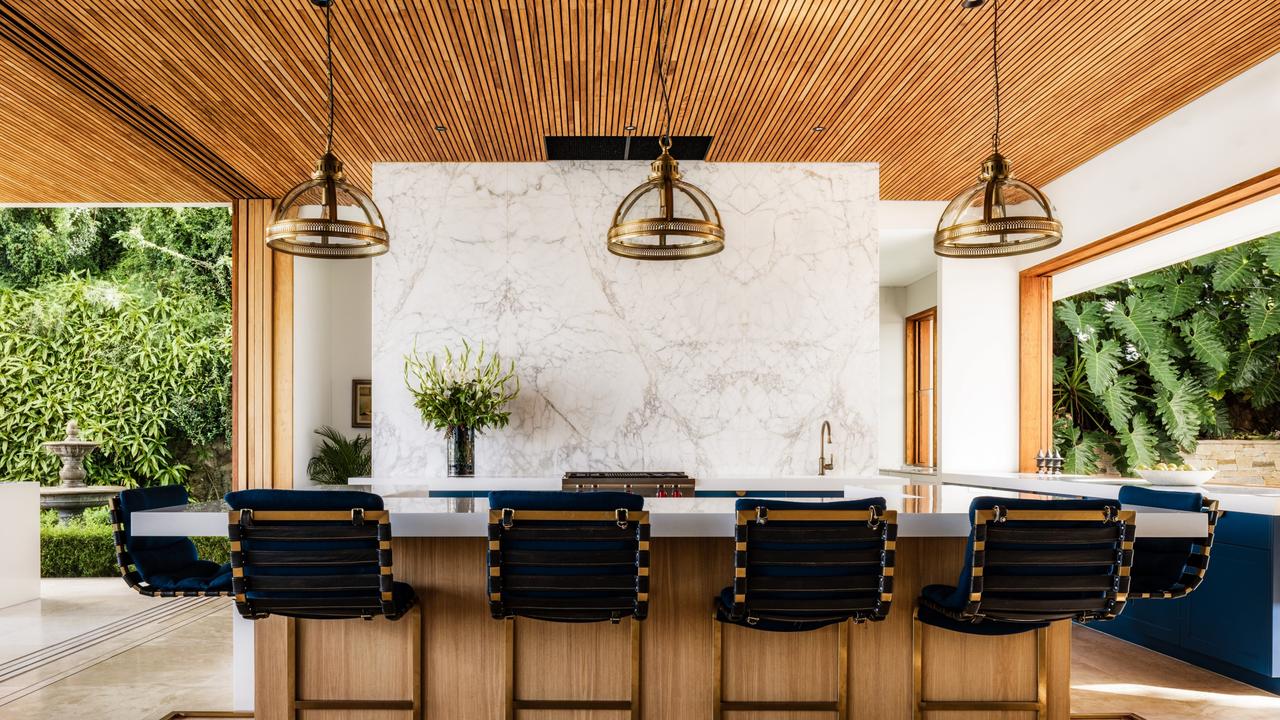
905 84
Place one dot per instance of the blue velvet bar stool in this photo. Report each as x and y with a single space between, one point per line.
162 566
800 566
568 557
1170 568
321 556
1028 563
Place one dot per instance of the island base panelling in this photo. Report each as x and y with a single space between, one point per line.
465 669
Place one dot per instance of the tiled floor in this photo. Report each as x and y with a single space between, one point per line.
94 649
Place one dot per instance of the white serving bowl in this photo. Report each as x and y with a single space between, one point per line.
1177 477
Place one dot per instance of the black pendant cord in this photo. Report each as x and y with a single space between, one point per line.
662 77
995 64
328 47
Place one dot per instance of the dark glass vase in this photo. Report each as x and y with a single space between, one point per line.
461 443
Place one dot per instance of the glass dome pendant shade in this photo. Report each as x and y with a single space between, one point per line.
1000 215
665 206
997 217
326 217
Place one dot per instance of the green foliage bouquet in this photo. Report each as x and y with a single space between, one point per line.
463 390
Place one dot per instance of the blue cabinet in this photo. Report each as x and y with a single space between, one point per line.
1231 624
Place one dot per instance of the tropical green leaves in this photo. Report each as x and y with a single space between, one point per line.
1262 312
1201 334
1233 269
339 458
1145 367
1138 442
1101 363
1269 246
1180 409
1138 322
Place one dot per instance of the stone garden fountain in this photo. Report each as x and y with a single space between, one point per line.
72 496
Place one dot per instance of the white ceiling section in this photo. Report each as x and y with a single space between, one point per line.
1224 137
1233 228
906 240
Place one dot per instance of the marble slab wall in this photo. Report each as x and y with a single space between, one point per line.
714 366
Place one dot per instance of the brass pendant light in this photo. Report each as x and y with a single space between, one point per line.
1000 215
664 205
327 217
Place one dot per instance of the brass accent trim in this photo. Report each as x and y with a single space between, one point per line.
381 516
745 516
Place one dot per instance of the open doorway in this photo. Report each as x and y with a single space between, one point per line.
921 439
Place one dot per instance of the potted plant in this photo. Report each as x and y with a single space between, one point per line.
340 458
461 393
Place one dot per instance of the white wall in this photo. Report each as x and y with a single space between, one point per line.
332 345
715 366
1222 138
897 304
893 304
977 365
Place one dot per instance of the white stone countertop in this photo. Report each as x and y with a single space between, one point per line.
422 516
1231 498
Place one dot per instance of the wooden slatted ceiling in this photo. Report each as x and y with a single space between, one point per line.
905 83
45 154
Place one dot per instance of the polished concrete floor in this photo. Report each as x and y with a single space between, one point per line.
94 649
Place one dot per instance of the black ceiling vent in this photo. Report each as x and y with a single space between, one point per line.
624 147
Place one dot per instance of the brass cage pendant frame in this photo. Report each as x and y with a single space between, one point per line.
966 239
664 179
356 239
335 238
991 235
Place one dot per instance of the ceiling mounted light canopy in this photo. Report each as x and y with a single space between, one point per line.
327 217
664 205
1000 215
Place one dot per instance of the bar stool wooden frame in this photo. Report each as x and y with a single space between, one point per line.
514 705
974 611
240 528
886 523
413 705
839 706
502 519
1039 706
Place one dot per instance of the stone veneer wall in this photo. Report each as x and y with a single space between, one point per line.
1248 462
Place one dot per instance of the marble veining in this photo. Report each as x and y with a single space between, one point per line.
723 364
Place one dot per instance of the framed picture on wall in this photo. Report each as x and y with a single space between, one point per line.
361 403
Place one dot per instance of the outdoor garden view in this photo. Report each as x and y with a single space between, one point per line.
1148 368
119 319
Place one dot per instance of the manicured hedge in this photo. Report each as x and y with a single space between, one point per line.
88 551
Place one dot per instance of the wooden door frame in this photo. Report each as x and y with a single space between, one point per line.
1035 317
261 354
909 367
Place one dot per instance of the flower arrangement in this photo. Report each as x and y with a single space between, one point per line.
466 390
